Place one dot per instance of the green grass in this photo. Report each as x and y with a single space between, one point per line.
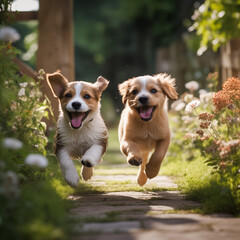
40 211
116 186
197 181
116 170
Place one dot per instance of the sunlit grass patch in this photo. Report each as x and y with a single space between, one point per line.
116 186
115 170
187 210
195 179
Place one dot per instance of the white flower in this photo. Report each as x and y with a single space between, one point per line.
202 91
221 14
215 41
9 34
214 123
192 105
23 85
193 27
201 50
188 97
192 85
12 143
36 160
206 97
201 8
180 106
175 103
21 92
41 71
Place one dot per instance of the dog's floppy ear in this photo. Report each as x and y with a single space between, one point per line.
124 90
101 84
168 85
57 82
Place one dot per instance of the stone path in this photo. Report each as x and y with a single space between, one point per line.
146 215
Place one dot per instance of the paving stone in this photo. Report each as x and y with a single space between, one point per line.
123 226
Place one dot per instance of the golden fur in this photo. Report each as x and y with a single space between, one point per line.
143 126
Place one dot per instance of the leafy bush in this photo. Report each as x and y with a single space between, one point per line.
31 205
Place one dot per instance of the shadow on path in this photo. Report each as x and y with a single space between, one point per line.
144 215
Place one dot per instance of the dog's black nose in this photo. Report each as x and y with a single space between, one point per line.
76 105
143 100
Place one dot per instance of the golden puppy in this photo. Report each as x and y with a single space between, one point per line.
143 126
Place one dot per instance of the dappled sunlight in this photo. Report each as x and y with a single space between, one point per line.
196 194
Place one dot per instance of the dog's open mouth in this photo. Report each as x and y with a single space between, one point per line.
77 118
146 112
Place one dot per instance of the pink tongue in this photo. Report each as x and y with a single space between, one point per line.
146 113
77 119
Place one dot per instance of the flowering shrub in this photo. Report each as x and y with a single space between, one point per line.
222 140
210 129
21 104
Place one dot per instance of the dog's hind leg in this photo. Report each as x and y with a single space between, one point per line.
154 164
142 177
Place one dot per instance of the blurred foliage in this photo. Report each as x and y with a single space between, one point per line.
5 17
216 21
31 204
28 42
118 38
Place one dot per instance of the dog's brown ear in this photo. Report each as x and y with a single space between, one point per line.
57 82
101 84
168 85
124 90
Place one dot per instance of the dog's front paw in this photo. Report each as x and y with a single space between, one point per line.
86 163
72 178
135 161
86 173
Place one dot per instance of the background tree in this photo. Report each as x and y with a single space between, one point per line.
118 39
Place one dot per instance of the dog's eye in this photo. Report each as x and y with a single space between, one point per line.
134 92
68 95
153 90
87 96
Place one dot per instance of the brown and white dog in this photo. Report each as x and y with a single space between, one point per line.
143 126
81 131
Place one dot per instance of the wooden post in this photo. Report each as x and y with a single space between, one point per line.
56 49
230 59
